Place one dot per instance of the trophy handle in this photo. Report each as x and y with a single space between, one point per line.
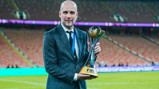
91 57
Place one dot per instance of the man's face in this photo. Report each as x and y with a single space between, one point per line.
68 15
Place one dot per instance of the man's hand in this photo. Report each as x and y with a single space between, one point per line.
84 77
97 48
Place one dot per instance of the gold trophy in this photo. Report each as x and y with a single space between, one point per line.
95 33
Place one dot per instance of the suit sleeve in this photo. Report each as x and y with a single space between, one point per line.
50 61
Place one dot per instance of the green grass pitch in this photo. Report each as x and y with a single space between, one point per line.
118 80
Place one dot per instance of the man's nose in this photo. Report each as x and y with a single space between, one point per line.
68 15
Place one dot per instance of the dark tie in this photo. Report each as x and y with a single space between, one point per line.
71 40
70 37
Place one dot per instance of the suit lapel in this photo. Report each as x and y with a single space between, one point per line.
63 38
79 38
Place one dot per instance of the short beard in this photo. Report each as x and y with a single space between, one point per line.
68 26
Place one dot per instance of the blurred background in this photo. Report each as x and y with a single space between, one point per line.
131 42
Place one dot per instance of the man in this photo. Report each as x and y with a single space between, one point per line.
63 62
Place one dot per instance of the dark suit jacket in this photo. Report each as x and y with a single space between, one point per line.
59 60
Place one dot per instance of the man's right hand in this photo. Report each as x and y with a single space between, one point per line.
84 77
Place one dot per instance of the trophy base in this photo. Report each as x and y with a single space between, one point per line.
89 71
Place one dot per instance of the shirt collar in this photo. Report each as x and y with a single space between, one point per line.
65 29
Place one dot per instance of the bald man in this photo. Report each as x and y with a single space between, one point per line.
65 51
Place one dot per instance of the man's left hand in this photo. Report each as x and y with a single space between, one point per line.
97 48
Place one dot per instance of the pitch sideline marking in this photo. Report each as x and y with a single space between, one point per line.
25 82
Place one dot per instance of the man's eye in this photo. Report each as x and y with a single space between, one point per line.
65 12
72 12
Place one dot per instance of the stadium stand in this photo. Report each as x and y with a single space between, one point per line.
30 42
117 50
140 45
113 51
8 55
113 55
130 11
153 39
6 10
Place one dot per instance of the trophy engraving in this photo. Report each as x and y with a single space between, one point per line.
95 33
